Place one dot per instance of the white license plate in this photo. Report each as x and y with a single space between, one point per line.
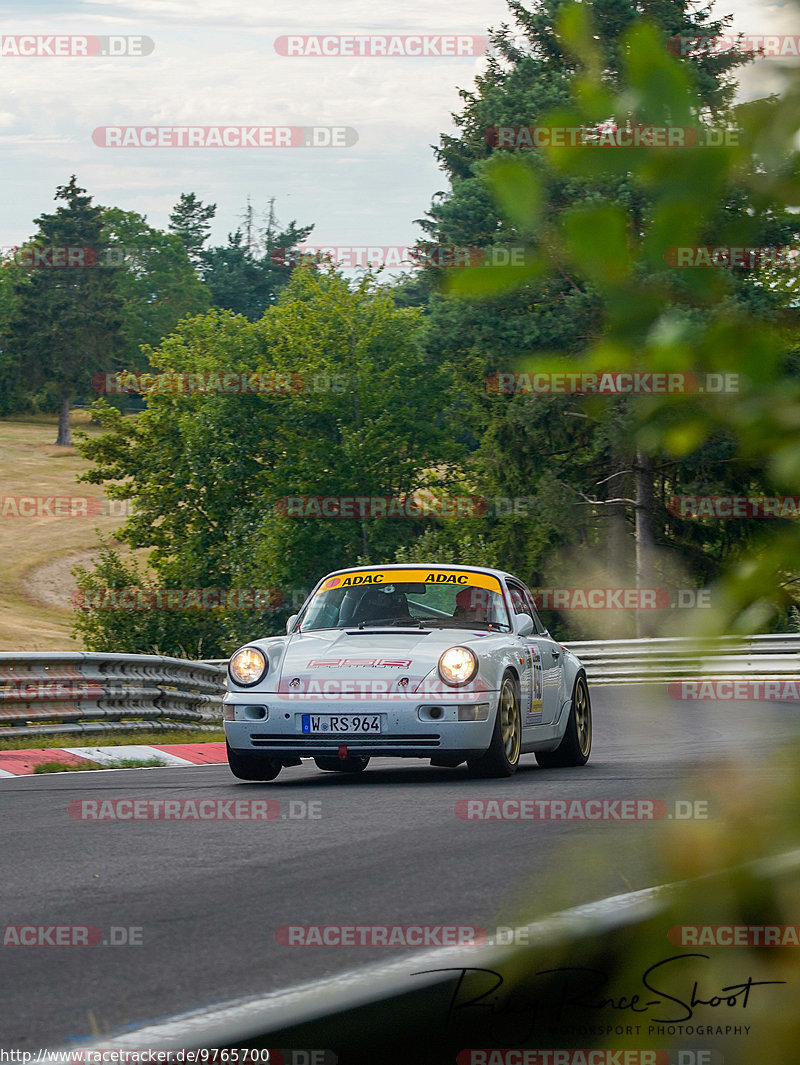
341 723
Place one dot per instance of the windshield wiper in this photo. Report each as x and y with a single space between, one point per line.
409 622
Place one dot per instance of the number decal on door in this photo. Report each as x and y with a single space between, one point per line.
534 714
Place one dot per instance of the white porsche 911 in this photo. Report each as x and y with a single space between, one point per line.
448 663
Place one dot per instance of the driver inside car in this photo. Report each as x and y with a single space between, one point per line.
472 604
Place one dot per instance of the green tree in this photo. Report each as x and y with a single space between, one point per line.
67 322
246 275
155 281
190 220
13 394
209 474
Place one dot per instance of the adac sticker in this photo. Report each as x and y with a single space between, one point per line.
452 577
352 580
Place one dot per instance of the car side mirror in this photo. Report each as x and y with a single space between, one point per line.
290 623
523 624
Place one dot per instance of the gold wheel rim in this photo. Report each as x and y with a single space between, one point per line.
509 722
583 718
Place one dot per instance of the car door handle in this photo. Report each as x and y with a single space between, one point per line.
555 654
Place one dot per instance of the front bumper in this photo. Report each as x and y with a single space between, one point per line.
406 729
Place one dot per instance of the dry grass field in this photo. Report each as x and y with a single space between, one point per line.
38 551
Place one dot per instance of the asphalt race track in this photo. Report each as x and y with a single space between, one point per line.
206 897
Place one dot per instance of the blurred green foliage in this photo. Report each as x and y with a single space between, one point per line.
607 221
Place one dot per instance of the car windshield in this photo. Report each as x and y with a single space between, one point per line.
414 598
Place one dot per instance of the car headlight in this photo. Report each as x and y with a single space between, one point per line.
458 665
247 666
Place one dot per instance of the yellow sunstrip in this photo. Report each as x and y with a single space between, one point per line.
456 578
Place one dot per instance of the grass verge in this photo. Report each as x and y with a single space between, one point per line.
123 763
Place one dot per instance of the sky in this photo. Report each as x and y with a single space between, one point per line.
215 63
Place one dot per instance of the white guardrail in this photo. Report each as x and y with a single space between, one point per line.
73 692
665 659
63 693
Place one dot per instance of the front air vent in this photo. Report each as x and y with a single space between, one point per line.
316 743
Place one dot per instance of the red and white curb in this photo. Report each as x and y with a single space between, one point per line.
22 763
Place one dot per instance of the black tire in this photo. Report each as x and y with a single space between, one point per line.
502 757
247 766
576 744
332 764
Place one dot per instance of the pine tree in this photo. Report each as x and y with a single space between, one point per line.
66 324
190 220
247 274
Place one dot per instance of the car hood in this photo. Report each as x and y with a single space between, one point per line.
384 660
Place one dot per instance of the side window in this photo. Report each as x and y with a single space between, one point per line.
538 627
517 599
